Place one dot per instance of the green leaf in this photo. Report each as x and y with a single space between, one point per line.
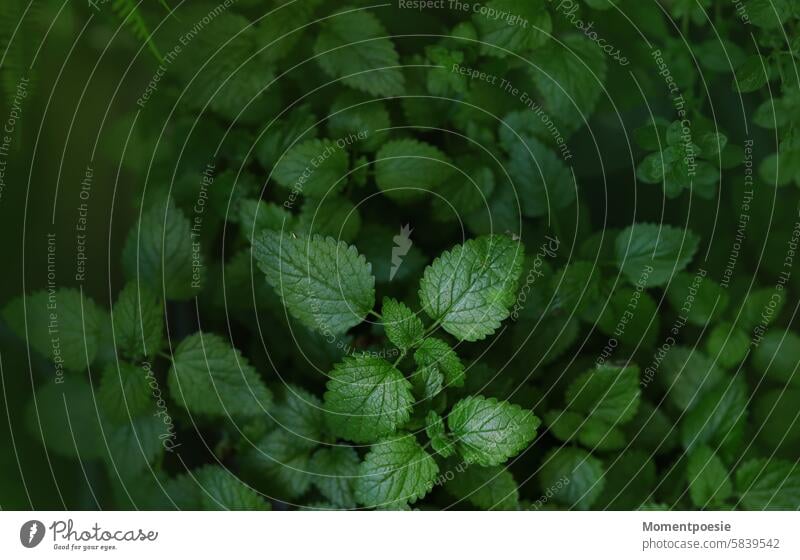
354 114
63 416
719 418
313 168
727 345
440 441
631 316
777 356
768 14
334 216
283 460
709 484
470 289
760 308
768 484
354 47
751 75
159 252
298 126
281 30
665 249
62 325
688 375
569 75
599 436
697 297
608 394
488 488
572 476
220 490
256 215
543 183
564 424
463 193
301 415
629 482
577 286
135 445
428 382
403 327
125 391
488 431
138 317
523 26
335 472
209 376
436 354
325 284
407 170
367 399
395 472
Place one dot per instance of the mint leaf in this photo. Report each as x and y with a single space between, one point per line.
543 183
665 249
688 375
436 354
135 445
395 472
64 418
218 489
600 436
470 289
488 488
524 26
125 391
334 216
354 113
354 46
284 461
335 471
403 327
778 355
719 417
326 285
488 431
62 325
768 484
295 128
301 415
407 170
751 75
138 317
314 168
256 215
608 394
629 481
367 398
208 376
440 441
427 382
159 252
709 484
728 345
569 76
572 476
698 298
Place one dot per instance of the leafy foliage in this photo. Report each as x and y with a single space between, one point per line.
352 256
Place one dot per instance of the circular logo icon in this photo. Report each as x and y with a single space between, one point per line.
31 533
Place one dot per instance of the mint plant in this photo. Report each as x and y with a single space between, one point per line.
511 255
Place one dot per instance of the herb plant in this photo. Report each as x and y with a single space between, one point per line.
520 254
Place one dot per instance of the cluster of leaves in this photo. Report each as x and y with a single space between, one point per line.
534 347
